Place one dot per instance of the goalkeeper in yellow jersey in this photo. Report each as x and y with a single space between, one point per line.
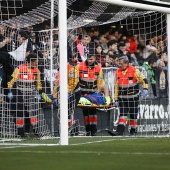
73 81
73 91
127 79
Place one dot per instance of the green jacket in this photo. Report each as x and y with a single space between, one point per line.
150 73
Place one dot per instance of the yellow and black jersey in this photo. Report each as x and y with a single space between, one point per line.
73 79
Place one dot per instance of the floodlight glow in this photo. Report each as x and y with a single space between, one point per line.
88 20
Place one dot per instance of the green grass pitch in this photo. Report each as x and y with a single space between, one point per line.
93 153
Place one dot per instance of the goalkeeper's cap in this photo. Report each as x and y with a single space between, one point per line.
124 58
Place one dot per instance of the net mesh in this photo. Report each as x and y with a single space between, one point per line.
43 116
9 8
93 13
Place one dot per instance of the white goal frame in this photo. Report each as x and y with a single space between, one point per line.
62 16
63 54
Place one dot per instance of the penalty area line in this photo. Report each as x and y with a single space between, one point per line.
100 141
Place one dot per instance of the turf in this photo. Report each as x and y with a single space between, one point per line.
90 154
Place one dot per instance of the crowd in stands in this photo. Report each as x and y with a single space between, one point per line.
107 46
113 43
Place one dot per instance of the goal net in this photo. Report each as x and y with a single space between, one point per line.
149 31
32 111
9 8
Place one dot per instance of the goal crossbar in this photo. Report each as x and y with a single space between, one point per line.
138 5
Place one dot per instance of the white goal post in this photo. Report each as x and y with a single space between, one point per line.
63 70
63 52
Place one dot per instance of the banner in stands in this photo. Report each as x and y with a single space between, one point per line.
154 116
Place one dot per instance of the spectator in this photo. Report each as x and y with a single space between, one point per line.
165 43
109 61
82 48
71 42
149 49
55 34
133 49
112 60
122 49
160 46
116 34
133 44
140 46
103 42
112 37
22 36
123 38
30 30
96 40
127 45
5 42
160 64
5 59
112 46
110 52
100 55
93 31
141 40
162 61
155 39
115 62
150 66
120 36
151 56
34 47
162 75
